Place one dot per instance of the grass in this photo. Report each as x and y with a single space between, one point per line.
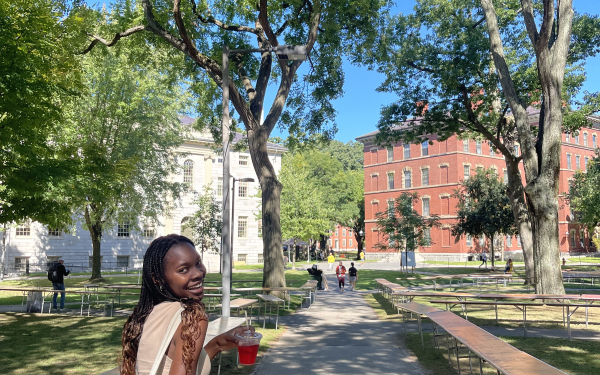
55 344
578 357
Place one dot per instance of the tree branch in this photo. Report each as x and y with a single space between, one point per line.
422 69
244 76
118 36
264 22
527 6
220 24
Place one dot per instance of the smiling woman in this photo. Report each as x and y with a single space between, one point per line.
171 302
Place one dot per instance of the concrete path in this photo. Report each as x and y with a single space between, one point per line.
339 334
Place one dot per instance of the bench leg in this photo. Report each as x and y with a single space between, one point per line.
420 330
524 321
496 308
457 358
470 364
568 324
277 319
480 366
586 318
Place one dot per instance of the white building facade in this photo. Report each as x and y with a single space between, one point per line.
30 247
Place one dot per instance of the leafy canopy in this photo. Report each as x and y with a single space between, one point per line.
206 222
483 207
39 75
401 226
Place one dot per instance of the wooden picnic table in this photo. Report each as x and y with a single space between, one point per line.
419 310
285 290
502 356
269 300
240 304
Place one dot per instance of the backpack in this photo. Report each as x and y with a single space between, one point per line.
53 274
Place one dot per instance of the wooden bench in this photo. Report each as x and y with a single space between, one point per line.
419 310
521 306
215 328
504 357
269 300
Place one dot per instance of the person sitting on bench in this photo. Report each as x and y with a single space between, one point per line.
317 274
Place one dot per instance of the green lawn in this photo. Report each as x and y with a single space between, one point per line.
55 344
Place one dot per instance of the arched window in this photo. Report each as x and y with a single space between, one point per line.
188 173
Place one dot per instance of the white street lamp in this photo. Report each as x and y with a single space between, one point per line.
296 53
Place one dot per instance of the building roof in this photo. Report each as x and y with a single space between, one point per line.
531 112
207 137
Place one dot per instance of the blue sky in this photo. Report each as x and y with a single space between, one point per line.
358 110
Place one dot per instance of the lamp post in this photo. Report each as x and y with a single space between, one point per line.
296 53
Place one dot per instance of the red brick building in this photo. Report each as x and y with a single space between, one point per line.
342 239
435 172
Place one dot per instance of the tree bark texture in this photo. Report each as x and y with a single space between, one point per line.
95 229
3 252
518 205
541 156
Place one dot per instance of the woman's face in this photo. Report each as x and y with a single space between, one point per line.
184 271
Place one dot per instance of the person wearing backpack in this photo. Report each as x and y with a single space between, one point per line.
57 275
353 272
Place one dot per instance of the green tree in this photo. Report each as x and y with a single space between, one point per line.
584 198
39 73
330 30
304 209
206 222
401 227
124 130
473 68
483 209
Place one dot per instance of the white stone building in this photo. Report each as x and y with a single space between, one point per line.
31 247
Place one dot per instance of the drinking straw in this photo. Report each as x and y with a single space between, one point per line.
247 324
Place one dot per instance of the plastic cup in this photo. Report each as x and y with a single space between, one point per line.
248 347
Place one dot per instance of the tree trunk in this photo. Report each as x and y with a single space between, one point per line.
492 255
274 273
518 205
95 229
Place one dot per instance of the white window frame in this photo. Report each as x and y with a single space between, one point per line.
466 145
390 154
244 160
242 230
243 189
425 177
406 150
121 263
425 148
124 230
188 173
426 206
390 181
407 179
478 147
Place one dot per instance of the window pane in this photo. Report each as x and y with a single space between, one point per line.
122 260
567 138
407 179
478 147
425 177
243 159
242 257
467 172
492 150
123 229
577 160
188 172
585 143
594 140
52 232
427 236
149 231
243 190
577 138
390 181
466 145
425 206
390 154
568 161
23 230
505 176
406 151
242 226
219 187
469 240
425 148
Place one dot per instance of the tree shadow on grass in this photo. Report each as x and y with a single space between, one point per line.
57 344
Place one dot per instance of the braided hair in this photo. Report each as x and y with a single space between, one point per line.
154 291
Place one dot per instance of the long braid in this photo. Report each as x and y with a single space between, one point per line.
154 291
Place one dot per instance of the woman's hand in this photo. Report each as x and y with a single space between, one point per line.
225 341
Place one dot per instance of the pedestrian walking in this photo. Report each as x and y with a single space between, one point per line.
362 257
330 261
353 273
483 259
340 272
58 283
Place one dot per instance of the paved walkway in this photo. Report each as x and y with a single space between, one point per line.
339 334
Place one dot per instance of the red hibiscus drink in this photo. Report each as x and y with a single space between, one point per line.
248 347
